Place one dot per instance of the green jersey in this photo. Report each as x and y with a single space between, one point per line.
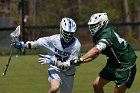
120 53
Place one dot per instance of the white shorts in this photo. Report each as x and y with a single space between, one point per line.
65 80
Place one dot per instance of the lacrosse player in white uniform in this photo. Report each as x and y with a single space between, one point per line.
61 48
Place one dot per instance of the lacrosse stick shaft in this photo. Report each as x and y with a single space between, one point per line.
7 65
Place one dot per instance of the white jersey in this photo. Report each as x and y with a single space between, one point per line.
52 45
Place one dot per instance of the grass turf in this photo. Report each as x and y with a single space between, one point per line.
25 75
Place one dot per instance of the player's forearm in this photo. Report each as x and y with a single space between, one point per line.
90 55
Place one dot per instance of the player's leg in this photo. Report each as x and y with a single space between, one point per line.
67 83
98 84
105 76
54 80
124 79
54 86
120 89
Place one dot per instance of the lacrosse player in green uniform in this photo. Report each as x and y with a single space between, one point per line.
120 66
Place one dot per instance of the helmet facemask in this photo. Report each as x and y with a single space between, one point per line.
67 36
94 28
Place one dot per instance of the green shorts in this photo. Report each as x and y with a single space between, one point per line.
119 77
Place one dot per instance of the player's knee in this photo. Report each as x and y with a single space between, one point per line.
54 89
95 83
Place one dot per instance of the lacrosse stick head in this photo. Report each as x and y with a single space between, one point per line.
15 35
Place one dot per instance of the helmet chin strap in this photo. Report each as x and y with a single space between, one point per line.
66 44
66 41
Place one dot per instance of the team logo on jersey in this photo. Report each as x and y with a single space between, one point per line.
61 55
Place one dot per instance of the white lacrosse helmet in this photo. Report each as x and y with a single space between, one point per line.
97 21
67 29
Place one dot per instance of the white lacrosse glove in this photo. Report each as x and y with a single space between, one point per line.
47 59
64 66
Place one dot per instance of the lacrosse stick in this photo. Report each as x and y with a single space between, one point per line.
15 38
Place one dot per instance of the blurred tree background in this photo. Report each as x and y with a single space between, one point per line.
50 12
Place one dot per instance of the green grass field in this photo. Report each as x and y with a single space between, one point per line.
25 75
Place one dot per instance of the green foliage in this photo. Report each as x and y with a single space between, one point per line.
50 11
88 8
